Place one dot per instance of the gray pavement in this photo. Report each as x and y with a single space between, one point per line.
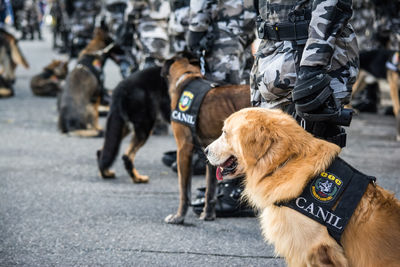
56 211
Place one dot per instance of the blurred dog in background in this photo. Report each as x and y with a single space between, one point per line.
48 82
81 95
10 57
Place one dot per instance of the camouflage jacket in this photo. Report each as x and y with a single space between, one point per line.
151 9
331 45
229 18
328 19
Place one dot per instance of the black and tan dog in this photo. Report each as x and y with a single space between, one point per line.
385 65
80 97
48 82
217 105
136 103
10 57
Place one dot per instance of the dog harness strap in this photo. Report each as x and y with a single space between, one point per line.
188 106
94 64
47 73
352 196
332 196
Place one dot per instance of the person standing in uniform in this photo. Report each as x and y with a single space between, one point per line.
222 30
307 63
151 23
31 20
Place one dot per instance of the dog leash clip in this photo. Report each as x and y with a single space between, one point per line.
202 63
303 123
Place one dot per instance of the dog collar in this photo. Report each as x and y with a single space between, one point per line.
332 197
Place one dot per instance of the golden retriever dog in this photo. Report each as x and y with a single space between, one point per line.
10 57
48 82
216 106
279 158
80 98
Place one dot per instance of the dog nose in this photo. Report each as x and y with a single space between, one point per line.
206 151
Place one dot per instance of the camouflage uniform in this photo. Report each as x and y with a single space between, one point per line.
363 20
388 21
31 19
178 25
331 45
151 23
232 24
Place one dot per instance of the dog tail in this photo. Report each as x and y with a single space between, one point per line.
17 55
115 131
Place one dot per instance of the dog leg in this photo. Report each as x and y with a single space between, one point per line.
86 133
183 138
360 83
325 255
208 213
393 79
116 130
142 133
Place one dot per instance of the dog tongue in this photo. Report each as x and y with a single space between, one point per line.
219 174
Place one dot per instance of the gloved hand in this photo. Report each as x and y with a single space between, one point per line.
193 41
312 95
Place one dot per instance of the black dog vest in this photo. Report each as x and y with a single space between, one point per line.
188 106
94 64
332 196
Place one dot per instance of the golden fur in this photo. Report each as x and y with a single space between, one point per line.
279 158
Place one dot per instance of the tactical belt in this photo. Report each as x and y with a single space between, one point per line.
286 31
332 197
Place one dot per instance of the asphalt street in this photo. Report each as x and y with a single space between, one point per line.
56 211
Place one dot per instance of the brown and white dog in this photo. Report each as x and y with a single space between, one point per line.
10 57
217 105
279 158
48 82
80 98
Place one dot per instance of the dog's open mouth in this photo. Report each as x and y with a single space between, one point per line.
226 168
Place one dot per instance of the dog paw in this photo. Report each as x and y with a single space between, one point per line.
205 216
140 179
107 174
174 219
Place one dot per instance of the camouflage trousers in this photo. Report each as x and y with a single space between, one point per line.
153 42
178 27
227 62
276 65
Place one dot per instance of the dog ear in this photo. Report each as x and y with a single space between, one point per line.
255 142
165 67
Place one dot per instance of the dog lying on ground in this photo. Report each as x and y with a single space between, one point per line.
80 98
279 158
217 105
48 82
10 57
136 102
376 63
